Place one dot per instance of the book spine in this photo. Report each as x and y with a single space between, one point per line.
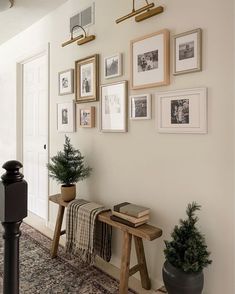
132 219
122 221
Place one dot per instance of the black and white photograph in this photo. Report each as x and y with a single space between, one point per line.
113 66
180 111
66 117
66 82
187 52
150 60
112 104
87 79
147 61
113 107
140 106
87 117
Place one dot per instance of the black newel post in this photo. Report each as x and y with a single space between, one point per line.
13 208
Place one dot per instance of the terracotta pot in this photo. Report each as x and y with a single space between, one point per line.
178 282
68 193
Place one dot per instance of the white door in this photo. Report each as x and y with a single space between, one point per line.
35 133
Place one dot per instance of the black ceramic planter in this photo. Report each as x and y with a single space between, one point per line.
178 282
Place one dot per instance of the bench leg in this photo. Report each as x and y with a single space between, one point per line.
57 232
125 263
145 281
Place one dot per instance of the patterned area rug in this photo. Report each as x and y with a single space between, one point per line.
62 275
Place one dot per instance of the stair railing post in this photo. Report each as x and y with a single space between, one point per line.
13 209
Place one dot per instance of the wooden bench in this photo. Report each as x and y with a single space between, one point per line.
145 231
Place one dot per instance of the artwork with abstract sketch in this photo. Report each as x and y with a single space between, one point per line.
186 50
147 61
64 114
180 111
112 104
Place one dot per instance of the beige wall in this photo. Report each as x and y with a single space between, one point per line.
162 171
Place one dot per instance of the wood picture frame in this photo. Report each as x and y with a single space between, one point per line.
187 50
182 111
87 117
150 64
113 107
66 117
140 107
66 82
87 79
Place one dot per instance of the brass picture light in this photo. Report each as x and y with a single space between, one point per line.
82 39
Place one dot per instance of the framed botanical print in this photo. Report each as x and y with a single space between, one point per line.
66 82
113 66
66 117
140 106
87 79
114 107
150 60
188 52
87 117
182 111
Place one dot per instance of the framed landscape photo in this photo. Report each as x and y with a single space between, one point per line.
87 79
113 66
66 82
87 117
182 111
66 117
140 106
188 52
114 107
150 60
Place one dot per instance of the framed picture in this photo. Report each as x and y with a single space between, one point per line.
113 66
140 106
66 82
150 60
87 79
188 52
182 111
87 117
66 117
114 107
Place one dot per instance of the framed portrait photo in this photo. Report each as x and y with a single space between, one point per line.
182 111
114 107
113 66
87 117
87 79
150 60
188 52
140 106
66 82
66 117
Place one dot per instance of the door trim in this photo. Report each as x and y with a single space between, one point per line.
33 54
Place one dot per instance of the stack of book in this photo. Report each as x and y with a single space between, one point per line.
130 214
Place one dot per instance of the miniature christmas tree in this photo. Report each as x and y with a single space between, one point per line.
67 166
188 250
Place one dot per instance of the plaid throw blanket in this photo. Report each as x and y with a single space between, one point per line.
85 235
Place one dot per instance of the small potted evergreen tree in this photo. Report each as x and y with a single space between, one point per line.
67 168
186 256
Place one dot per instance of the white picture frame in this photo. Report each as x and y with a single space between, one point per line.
182 111
66 117
113 107
150 62
187 51
140 107
66 82
113 66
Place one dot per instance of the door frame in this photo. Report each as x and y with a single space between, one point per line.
33 54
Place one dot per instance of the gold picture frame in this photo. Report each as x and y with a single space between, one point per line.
87 117
150 60
87 79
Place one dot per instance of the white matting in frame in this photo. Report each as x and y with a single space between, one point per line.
182 111
114 107
66 117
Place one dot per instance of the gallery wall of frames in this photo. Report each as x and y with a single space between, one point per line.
179 111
